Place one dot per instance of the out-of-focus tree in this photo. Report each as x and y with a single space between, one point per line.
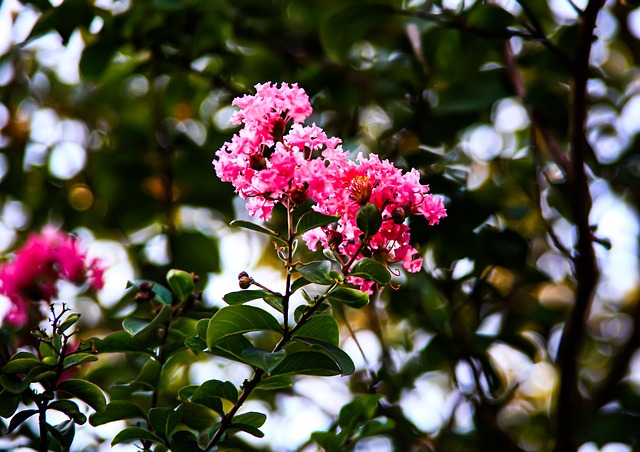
523 114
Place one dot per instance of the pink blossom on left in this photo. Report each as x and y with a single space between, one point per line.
45 258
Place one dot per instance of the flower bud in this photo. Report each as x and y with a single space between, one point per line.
334 238
257 161
298 194
398 215
278 129
244 280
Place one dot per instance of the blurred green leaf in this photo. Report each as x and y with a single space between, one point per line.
350 24
358 411
117 410
258 228
130 434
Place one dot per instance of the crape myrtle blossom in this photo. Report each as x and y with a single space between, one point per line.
275 158
31 276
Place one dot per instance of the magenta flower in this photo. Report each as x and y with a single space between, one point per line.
43 260
267 164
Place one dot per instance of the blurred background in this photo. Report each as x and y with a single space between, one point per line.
111 111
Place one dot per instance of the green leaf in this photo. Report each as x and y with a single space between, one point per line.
164 421
86 391
19 418
231 347
232 320
134 324
323 327
350 25
330 442
13 384
258 228
117 410
371 270
77 359
476 92
151 332
336 354
318 272
312 220
358 411
275 382
351 297
71 319
181 283
185 393
120 341
210 392
8 403
47 349
63 433
201 327
299 283
20 365
247 429
42 375
307 363
375 427
243 296
369 219
194 251
163 295
252 418
69 408
135 433
490 18
95 59
262 359
149 375
195 343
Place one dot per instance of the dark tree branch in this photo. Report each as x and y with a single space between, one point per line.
586 271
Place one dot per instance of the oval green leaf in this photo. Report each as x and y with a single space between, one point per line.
307 363
323 327
351 297
232 320
135 433
86 391
372 270
318 272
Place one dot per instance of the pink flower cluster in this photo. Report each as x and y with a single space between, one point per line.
43 260
275 158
